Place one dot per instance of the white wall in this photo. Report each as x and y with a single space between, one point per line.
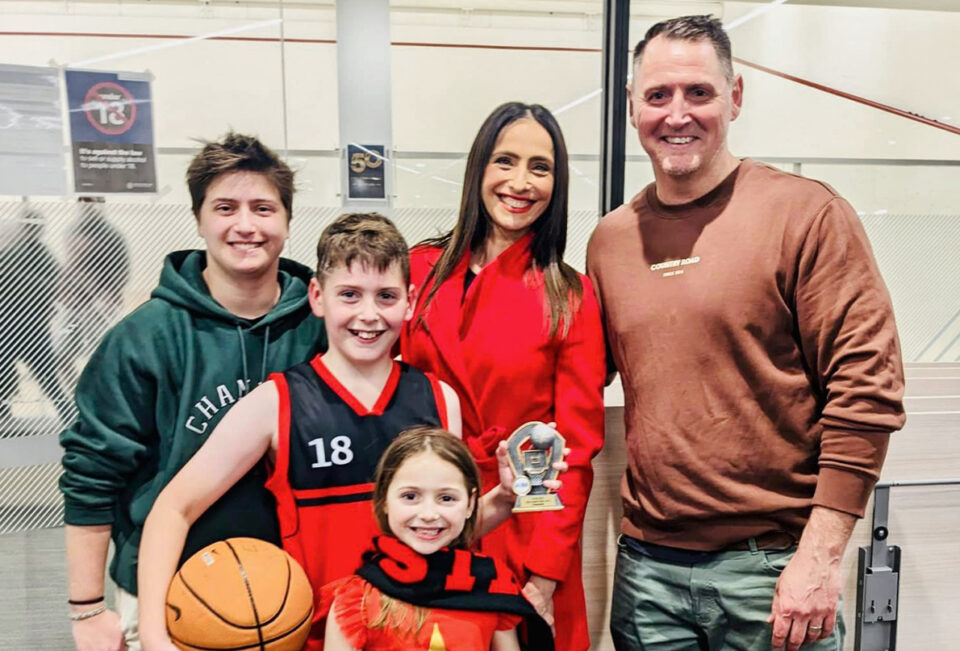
440 95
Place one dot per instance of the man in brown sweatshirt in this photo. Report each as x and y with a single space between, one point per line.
761 372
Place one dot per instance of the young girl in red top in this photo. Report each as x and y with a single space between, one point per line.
420 588
517 333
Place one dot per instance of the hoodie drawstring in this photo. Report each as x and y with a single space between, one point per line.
263 365
243 355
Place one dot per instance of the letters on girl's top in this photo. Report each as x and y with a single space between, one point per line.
404 565
454 579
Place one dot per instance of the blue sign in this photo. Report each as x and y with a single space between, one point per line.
111 132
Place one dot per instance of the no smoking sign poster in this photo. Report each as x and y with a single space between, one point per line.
111 132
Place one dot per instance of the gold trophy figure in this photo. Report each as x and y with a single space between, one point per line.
533 448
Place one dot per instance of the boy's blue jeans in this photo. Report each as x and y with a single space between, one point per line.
719 603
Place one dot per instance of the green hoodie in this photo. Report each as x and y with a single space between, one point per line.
153 391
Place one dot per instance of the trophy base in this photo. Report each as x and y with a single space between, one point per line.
527 503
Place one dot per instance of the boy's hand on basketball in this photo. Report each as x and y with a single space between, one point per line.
155 638
99 633
159 643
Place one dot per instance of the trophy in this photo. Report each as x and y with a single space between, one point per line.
533 448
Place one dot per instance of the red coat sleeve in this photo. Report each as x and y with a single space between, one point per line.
578 405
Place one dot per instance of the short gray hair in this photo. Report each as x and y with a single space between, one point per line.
692 28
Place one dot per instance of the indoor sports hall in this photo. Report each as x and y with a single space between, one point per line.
374 104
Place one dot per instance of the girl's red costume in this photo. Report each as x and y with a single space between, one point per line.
492 345
357 605
464 598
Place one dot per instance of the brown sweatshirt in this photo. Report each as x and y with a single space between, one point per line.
759 357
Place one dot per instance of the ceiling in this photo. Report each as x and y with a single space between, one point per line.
930 5
638 8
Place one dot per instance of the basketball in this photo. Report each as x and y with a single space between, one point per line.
240 593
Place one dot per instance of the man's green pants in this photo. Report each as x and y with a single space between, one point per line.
719 603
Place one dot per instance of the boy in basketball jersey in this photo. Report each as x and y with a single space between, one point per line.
323 423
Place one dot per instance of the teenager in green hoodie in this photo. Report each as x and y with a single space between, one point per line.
219 322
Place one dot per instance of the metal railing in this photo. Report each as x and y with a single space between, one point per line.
878 574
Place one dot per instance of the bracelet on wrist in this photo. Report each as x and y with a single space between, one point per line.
76 617
85 602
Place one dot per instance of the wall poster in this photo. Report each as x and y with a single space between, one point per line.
111 132
31 131
366 172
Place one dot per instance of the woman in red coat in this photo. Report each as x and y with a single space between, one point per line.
517 333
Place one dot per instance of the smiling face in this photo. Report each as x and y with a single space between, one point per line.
518 180
244 225
363 310
681 104
427 502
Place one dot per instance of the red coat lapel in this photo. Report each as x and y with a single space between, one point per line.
440 324
443 321
450 314
492 287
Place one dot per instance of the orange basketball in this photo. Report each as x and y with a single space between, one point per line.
240 593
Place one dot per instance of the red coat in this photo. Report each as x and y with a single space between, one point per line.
493 347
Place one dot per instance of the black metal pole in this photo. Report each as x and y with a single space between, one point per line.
616 31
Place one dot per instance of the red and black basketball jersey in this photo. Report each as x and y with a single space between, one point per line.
328 446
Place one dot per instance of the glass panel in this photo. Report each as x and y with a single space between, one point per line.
452 66
68 271
809 112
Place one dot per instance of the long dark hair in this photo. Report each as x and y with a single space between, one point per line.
562 287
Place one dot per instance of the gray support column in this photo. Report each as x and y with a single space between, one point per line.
363 84
616 32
